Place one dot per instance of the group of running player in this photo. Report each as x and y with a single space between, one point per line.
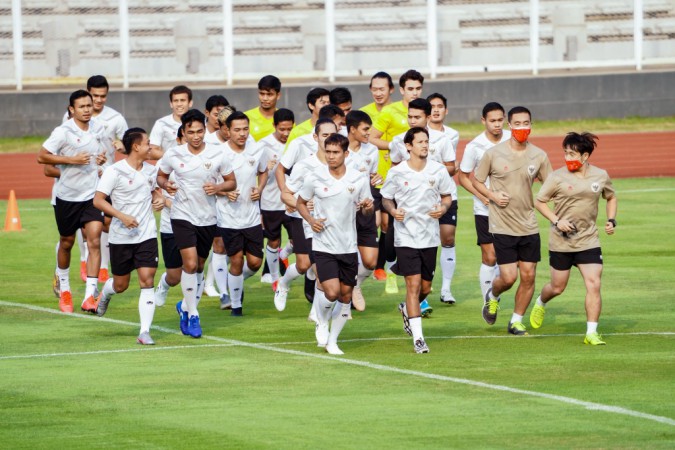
226 180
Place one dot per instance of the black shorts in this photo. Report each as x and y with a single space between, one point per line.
565 260
249 240
416 261
366 230
377 198
188 236
124 258
344 267
71 216
170 252
483 230
301 245
511 249
450 216
273 221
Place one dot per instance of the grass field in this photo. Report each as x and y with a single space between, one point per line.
77 381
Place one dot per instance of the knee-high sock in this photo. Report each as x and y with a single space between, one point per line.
339 322
210 271
448 264
290 275
272 259
64 278
82 243
286 251
324 307
219 264
486 274
236 285
200 286
416 328
188 282
105 251
146 308
362 274
248 273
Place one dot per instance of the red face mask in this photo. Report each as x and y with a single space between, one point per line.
573 165
520 134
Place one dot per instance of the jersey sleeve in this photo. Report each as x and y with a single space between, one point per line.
383 121
482 171
306 191
290 156
448 151
225 167
396 154
548 190
545 168
107 182
364 192
446 185
608 190
468 159
262 164
389 188
156 134
55 141
164 164
120 127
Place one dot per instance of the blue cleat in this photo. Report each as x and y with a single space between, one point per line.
183 318
425 308
194 329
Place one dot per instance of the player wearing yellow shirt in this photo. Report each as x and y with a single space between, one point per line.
262 117
316 99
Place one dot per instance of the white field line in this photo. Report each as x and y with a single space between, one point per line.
495 387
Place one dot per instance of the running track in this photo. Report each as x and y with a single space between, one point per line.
622 155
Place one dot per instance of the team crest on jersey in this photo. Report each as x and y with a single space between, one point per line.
432 149
432 182
405 183
251 161
325 189
531 170
368 160
182 165
350 189
131 182
207 165
595 187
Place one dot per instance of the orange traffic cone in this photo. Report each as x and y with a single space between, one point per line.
12 220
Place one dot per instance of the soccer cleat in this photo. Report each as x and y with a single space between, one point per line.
594 339
183 315
194 328
490 308
283 266
103 275
321 333
66 302
267 278
379 275
237 312
225 301
391 286
447 298
83 270
310 289
160 295
275 285
425 308
537 316
406 322
421 346
56 286
312 317
517 328
358 302
89 305
333 349
280 297
102 305
211 291
145 339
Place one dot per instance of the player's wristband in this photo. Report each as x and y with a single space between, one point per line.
555 224
612 221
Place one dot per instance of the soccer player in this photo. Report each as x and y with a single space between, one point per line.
239 222
131 184
164 131
76 146
214 105
262 117
492 119
199 168
317 98
439 111
512 167
417 193
342 98
363 157
573 237
339 193
381 88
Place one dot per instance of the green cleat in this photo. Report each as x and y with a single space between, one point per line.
594 339
518 329
537 316
391 286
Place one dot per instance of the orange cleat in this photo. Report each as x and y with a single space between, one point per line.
66 302
103 275
285 262
380 275
83 270
274 285
89 305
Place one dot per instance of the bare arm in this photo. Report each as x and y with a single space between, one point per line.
390 207
164 183
44 157
611 209
466 182
156 152
262 181
563 225
376 139
303 208
280 175
288 197
500 198
102 205
52 171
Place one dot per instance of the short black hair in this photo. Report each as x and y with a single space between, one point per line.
337 139
214 101
421 104
410 75
582 143
283 115
384 75
132 136
356 117
330 112
492 106
519 110
237 115
436 95
320 122
269 83
80 93
340 95
180 90
97 81
193 115
410 134
314 94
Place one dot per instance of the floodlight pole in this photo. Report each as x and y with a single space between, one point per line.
534 36
638 19
330 39
432 38
17 37
228 36
124 42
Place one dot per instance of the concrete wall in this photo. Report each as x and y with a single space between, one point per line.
648 94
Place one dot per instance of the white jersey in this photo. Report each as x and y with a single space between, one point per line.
271 196
243 212
165 215
294 183
191 203
131 193
453 135
336 201
114 126
473 152
77 182
300 148
164 132
365 160
417 193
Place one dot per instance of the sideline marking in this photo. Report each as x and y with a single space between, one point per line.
495 387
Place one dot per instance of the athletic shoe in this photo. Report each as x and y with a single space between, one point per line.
102 304
490 308
183 315
425 308
160 295
321 333
267 278
447 298
421 346
194 328
379 275
225 301
211 291
66 302
237 312
83 270
283 266
537 316
280 297
103 275
406 322
89 305
312 317
56 286
517 328
333 349
358 302
391 286
275 285
310 288
145 339
594 339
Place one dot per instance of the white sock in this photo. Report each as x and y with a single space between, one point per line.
286 251
290 275
84 250
448 263
236 285
188 282
540 303
272 257
246 272
324 307
591 327
219 265
210 272
516 318
90 287
416 328
362 274
339 322
310 273
486 274
163 285
108 290
64 279
200 286
56 250
388 264
146 308
105 251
